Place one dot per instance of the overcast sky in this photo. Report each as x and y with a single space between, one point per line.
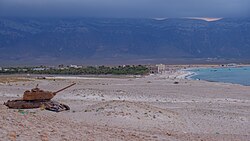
126 8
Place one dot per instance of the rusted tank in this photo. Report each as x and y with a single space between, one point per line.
47 105
36 98
38 94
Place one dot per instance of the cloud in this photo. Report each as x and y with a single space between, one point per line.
125 8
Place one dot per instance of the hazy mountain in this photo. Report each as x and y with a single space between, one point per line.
42 40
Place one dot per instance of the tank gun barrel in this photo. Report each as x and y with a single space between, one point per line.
63 88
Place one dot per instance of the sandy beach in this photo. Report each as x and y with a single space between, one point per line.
162 107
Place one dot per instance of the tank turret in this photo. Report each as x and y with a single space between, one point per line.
38 94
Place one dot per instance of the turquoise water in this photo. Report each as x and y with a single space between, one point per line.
239 75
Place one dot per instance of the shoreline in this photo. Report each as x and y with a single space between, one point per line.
188 73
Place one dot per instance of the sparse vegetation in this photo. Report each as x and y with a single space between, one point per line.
90 70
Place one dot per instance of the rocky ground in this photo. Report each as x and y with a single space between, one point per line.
154 107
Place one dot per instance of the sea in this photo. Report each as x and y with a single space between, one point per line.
235 75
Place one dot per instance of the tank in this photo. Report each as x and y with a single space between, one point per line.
37 98
38 94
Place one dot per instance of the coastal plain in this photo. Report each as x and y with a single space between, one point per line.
160 107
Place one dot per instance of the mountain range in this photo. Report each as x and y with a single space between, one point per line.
26 41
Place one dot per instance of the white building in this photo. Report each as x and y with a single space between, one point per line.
39 69
22 69
75 66
232 65
161 68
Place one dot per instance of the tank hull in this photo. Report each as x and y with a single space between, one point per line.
47 104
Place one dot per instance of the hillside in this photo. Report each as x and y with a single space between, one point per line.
102 40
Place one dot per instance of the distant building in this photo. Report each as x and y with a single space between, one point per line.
1 68
152 69
24 70
61 66
232 65
75 66
161 68
39 69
